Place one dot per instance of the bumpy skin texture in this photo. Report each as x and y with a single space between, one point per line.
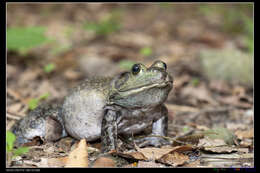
44 122
105 107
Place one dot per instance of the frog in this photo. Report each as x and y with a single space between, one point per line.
106 107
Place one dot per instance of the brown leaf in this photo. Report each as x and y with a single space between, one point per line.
181 81
193 164
235 101
143 164
219 86
132 39
57 162
221 149
79 156
71 74
152 153
245 134
174 159
104 162
27 76
15 108
133 155
207 142
199 93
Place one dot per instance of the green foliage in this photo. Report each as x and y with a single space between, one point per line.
49 67
166 5
23 39
185 129
126 64
33 103
195 82
248 29
230 64
104 27
237 19
10 139
221 133
146 51
19 151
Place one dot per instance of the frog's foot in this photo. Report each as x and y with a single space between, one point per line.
151 141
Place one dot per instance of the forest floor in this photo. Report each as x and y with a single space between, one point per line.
184 36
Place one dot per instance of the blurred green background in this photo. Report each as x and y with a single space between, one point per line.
219 35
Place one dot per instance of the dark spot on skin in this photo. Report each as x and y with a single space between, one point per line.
121 79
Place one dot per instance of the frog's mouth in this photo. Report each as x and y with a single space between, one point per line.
131 91
146 87
167 82
123 94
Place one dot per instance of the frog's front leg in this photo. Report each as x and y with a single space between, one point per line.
159 128
109 129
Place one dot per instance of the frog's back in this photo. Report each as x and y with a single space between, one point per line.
82 109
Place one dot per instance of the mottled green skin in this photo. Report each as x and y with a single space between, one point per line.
125 104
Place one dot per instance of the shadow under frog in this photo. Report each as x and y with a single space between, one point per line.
105 107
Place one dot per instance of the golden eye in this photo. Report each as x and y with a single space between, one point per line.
136 68
164 65
160 64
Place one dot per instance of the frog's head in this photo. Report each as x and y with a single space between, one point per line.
142 86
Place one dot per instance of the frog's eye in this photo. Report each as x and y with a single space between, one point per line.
136 68
160 64
164 65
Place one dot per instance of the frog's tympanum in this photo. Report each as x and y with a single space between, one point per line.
105 107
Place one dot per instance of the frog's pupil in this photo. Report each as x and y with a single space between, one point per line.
136 68
165 66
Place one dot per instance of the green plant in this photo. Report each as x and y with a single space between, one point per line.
195 82
33 103
146 51
248 29
185 129
11 152
49 67
235 19
23 39
126 64
104 27
229 64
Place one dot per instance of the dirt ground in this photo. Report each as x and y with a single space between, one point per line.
184 36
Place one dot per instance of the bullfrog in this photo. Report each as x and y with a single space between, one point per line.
105 107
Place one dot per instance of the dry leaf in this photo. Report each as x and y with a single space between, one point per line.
57 162
102 162
221 149
42 164
235 101
219 86
196 163
133 155
199 93
207 142
79 156
174 159
152 153
143 164
15 108
245 134
27 76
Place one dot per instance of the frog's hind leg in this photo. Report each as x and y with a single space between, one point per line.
44 122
